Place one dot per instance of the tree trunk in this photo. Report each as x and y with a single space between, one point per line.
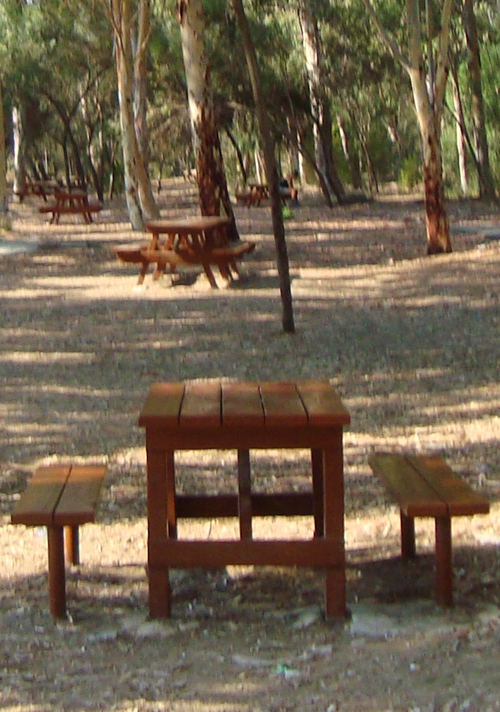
139 53
486 183
271 171
140 80
436 220
121 22
322 124
5 221
428 95
210 174
18 149
461 143
350 158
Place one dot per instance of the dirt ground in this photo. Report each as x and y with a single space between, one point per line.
412 345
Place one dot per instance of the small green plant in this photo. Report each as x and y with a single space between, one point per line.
286 212
410 173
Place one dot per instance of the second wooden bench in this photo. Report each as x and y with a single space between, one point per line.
425 486
61 498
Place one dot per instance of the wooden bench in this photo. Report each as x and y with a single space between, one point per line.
224 256
425 486
57 210
61 498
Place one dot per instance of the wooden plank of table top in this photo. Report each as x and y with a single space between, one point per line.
282 405
461 499
322 403
186 225
201 406
242 405
163 404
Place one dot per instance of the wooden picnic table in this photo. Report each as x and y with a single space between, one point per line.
74 201
186 241
243 417
39 188
254 195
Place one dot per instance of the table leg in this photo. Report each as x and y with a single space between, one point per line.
157 505
244 494
317 480
333 487
171 514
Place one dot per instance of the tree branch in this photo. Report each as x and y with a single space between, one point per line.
387 39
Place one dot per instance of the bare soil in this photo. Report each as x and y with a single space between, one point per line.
412 345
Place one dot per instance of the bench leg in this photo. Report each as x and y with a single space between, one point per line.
408 549
72 545
444 572
57 574
142 273
210 275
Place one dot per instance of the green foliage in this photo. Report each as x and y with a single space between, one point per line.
410 173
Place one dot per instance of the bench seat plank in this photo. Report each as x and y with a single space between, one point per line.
37 503
461 499
415 497
78 501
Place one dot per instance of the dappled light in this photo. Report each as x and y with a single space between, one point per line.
410 344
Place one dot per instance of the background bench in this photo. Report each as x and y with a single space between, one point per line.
425 486
61 498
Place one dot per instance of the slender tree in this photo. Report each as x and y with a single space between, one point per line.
138 193
486 184
4 196
320 110
428 94
270 169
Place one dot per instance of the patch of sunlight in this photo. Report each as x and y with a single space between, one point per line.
46 357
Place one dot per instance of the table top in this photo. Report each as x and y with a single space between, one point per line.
187 225
216 406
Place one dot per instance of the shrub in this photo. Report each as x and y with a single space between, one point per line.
410 173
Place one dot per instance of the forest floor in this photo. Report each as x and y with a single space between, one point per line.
412 345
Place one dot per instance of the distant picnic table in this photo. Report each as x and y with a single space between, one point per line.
39 188
187 241
74 201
